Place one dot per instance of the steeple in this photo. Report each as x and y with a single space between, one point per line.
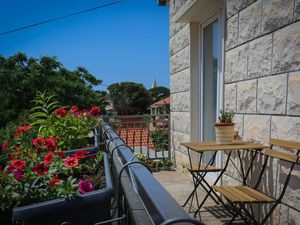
154 84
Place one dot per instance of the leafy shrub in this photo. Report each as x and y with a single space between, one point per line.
160 138
70 127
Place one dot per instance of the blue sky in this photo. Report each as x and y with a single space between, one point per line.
124 42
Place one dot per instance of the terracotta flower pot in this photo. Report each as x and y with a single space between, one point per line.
224 133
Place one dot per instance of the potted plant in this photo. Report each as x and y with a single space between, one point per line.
151 163
164 164
225 128
41 184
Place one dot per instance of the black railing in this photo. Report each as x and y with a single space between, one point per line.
138 132
140 198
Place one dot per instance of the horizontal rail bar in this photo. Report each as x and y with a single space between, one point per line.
158 203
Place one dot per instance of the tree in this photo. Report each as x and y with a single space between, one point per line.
129 98
158 93
22 77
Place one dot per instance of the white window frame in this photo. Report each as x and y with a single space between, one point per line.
220 80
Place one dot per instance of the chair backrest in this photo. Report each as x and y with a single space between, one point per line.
292 145
291 158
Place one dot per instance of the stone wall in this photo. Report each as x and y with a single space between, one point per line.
179 82
261 79
262 83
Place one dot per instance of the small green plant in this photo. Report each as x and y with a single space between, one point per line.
168 163
226 117
141 156
160 139
160 163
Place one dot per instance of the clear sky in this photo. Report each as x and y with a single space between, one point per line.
123 42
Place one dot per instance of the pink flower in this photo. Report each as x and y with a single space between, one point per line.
18 164
38 142
84 112
40 169
51 144
95 111
74 108
18 175
22 129
80 154
61 112
48 158
61 154
85 186
10 169
71 162
4 146
54 182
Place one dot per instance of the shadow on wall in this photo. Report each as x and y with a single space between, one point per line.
271 183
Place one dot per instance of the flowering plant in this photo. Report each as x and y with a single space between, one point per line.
34 166
34 169
70 125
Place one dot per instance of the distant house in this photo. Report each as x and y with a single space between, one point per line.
239 55
160 107
110 109
159 112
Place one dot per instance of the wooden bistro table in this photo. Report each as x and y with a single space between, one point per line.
200 170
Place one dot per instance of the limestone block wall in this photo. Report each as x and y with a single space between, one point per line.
179 82
262 84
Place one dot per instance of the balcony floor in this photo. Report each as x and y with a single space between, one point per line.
180 185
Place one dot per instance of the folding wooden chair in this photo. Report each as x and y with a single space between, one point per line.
240 196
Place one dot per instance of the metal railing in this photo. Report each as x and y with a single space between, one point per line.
140 198
138 132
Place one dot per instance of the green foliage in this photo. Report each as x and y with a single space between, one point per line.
8 131
71 131
164 162
21 183
226 117
129 98
141 156
44 107
160 138
22 77
159 93
71 128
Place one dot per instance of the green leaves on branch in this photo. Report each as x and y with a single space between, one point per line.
45 106
21 77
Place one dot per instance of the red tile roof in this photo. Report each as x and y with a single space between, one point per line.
165 101
135 136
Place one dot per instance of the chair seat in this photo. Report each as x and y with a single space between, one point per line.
243 194
203 168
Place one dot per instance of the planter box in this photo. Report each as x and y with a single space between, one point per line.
86 209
